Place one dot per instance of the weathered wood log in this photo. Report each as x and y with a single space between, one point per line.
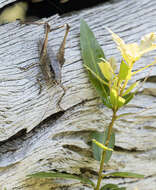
5 2
61 142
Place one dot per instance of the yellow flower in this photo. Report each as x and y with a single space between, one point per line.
133 52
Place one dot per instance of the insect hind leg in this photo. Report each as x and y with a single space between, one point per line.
60 54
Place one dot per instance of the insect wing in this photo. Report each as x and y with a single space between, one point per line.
56 67
45 64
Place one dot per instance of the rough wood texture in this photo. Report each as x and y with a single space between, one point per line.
5 2
61 142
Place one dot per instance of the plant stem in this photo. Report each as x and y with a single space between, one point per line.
126 81
114 117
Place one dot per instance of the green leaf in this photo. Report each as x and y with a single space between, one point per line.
97 76
123 71
113 97
120 101
106 102
112 187
113 63
61 175
125 114
116 100
106 69
91 54
131 88
101 137
97 150
110 145
124 174
109 187
128 98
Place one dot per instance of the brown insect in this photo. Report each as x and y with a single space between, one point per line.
50 63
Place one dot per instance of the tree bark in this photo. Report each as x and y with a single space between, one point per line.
36 135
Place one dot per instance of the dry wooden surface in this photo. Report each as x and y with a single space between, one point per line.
5 2
62 141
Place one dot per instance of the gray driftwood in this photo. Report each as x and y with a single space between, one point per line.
5 2
61 143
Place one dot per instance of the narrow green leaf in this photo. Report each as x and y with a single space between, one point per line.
131 88
130 114
125 114
91 54
123 71
61 175
124 174
153 63
128 98
109 187
101 137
